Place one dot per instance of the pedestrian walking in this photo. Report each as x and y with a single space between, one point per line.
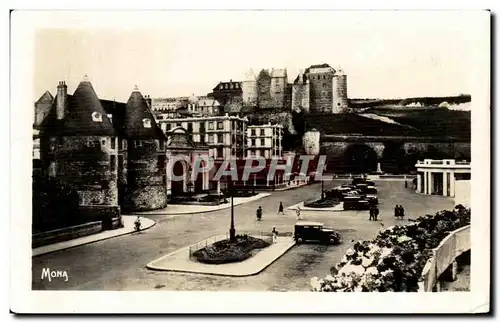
396 212
401 212
406 184
297 211
280 208
371 213
375 213
275 235
259 213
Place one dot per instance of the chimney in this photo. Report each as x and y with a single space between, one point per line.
62 93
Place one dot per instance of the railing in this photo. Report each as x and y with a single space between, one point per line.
452 246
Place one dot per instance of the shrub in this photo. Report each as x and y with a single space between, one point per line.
225 251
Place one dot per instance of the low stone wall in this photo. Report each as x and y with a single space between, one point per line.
456 243
65 234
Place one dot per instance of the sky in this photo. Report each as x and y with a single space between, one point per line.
385 54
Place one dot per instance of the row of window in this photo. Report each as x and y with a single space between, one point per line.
227 86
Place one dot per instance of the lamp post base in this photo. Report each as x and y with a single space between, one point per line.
232 234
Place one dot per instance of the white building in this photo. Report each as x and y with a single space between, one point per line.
445 177
225 135
265 141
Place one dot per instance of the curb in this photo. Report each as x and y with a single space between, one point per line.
198 212
89 242
304 208
154 268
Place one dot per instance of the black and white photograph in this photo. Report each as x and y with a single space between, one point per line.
322 152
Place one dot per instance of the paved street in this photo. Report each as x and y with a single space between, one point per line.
120 263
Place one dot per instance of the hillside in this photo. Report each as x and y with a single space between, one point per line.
424 101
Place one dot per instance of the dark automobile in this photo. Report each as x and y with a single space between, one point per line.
356 203
314 231
371 190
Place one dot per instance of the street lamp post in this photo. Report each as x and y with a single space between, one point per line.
322 189
232 230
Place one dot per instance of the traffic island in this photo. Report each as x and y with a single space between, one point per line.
184 260
302 207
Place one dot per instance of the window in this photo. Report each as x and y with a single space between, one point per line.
190 127
162 144
146 123
219 138
211 139
253 142
169 126
124 144
253 132
120 144
220 152
202 139
202 127
137 143
113 162
103 142
262 132
210 126
324 85
262 142
178 124
113 143
96 117
233 125
233 152
219 125
233 139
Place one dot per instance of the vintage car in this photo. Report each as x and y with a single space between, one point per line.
371 190
356 203
314 231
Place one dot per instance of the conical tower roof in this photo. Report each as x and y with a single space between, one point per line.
85 114
139 121
46 97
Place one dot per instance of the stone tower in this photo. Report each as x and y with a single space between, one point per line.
146 187
249 88
300 93
79 148
321 87
339 84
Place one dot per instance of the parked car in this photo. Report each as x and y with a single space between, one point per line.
371 190
356 203
314 231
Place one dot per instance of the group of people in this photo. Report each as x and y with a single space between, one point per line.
399 212
374 211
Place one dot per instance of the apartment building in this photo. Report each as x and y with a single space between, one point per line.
225 135
265 141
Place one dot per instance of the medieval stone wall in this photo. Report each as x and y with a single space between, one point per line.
300 97
88 165
146 175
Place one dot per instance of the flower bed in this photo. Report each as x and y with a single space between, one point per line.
225 251
324 203
394 260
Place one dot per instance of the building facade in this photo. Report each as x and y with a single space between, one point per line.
224 135
227 92
265 141
441 177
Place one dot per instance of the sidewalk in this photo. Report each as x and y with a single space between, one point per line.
176 209
291 187
179 261
336 208
128 222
